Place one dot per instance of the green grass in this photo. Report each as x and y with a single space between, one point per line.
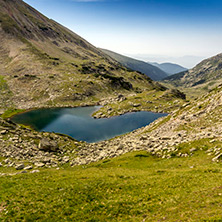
3 84
11 112
133 187
151 100
5 93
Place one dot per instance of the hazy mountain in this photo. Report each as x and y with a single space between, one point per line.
150 70
169 68
187 61
206 71
43 63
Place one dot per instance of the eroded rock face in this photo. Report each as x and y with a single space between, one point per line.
48 145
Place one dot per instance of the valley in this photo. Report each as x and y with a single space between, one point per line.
167 170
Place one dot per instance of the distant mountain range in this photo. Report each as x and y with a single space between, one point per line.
209 70
154 70
150 70
169 68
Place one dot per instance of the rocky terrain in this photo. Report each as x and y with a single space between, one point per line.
192 122
27 150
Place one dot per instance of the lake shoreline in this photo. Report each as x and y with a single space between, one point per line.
79 122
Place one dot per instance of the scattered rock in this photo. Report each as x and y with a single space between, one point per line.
3 132
7 161
48 145
39 164
193 149
65 159
20 166
35 171
217 158
28 167
137 105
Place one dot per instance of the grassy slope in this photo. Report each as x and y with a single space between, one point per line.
5 93
203 77
133 187
45 64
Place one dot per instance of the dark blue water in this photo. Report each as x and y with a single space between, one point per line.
79 124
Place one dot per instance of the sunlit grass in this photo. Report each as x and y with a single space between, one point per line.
133 187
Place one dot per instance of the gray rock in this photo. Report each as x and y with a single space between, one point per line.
28 167
217 158
3 132
46 160
39 164
65 159
137 105
7 161
193 149
35 171
48 145
20 166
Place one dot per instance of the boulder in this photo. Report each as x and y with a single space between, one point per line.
48 145
65 159
217 158
20 166
28 168
35 171
3 132
37 164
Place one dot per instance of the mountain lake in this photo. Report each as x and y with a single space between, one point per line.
79 123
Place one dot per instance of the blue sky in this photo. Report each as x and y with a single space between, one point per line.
166 29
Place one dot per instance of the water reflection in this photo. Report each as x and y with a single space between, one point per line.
78 123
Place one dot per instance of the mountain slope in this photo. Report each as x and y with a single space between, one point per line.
169 68
206 72
43 63
152 71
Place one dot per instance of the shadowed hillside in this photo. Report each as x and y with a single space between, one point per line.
169 68
150 70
